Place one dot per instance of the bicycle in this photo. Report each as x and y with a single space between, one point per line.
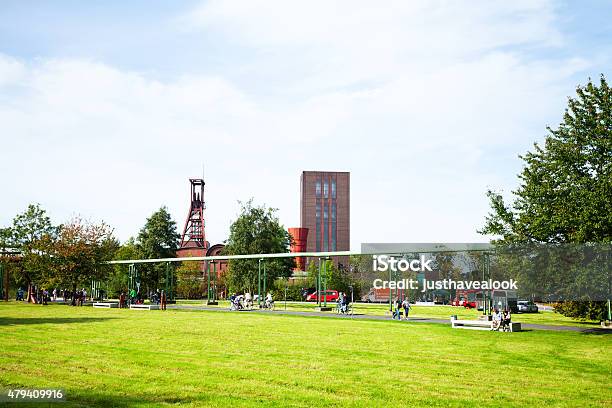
268 305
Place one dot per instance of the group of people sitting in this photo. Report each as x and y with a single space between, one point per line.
134 297
245 301
501 320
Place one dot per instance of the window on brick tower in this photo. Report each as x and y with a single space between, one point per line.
333 188
325 229
318 225
333 227
318 189
325 189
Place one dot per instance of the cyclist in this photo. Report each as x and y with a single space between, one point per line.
269 300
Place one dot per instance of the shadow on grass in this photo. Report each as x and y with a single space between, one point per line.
12 321
597 331
102 400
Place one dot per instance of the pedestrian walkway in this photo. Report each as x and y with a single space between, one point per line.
525 326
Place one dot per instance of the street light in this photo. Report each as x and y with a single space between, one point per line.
325 285
286 287
211 289
264 281
259 283
319 285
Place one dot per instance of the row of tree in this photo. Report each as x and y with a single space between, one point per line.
65 255
71 255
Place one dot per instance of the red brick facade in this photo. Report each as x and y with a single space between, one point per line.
325 210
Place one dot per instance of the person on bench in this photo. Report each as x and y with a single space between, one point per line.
497 319
506 320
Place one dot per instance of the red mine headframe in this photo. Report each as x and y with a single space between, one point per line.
194 236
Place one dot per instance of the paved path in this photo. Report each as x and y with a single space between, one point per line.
524 326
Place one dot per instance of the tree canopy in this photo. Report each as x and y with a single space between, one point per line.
79 252
565 191
26 234
257 230
158 238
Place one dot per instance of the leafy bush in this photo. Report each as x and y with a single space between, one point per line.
583 310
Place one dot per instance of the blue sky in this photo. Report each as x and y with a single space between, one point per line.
106 108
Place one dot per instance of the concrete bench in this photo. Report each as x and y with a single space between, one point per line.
108 305
144 307
471 324
480 325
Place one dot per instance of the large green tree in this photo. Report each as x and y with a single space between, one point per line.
78 253
565 191
257 230
158 238
25 235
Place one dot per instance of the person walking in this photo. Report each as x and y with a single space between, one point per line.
345 303
406 306
398 309
163 300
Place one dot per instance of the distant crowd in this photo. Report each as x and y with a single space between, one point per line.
134 297
43 296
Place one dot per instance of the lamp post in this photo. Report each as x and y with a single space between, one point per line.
259 283
264 280
208 278
325 282
319 285
390 293
286 287
211 298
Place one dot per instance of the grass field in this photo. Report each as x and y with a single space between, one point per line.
196 358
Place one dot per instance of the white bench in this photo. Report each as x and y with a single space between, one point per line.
472 324
144 307
107 305
480 325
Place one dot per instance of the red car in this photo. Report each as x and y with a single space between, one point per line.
329 295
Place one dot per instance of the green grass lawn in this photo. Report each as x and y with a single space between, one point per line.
435 312
198 358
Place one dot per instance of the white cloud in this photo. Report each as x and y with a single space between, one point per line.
416 99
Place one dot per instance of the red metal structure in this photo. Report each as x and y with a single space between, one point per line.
193 240
299 239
